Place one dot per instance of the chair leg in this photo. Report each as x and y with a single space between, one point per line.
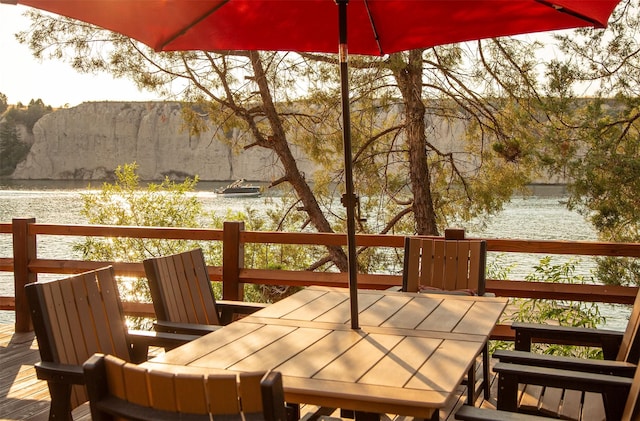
60 401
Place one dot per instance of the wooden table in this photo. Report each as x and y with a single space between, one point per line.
408 357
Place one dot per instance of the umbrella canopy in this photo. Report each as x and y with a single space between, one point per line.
377 27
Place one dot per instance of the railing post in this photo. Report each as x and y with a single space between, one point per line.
24 250
232 261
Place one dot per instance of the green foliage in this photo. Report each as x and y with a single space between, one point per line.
563 313
12 149
4 104
171 204
30 115
167 204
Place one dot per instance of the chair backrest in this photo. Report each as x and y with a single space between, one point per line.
630 347
76 317
446 264
118 389
180 288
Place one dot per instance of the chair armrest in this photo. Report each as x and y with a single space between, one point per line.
184 328
616 368
141 340
527 333
59 373
471 413
229 308
615 389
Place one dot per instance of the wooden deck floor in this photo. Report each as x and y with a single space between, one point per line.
24 397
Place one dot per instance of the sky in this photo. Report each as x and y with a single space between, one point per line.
23 77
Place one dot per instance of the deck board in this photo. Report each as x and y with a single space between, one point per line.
24 397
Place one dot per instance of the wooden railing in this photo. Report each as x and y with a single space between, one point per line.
26 265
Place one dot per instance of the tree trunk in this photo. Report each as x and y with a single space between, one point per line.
277 141
408 75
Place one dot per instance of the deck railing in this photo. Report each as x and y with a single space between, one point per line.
26 265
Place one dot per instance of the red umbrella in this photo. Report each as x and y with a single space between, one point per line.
378 27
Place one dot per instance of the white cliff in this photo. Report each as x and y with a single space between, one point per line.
89 141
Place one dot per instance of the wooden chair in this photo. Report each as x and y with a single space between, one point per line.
121 390
621 352
621 394
452 265
75 317
183 298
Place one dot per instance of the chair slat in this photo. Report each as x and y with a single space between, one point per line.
115 377
170 289
204 287
571 405
476 269
191 393
451 269
250 395
593 407
530 399
191 285
551 401
437 274
62 339
462 263
135 383
223 395
87 326
180 288
115 324
411 280
163 390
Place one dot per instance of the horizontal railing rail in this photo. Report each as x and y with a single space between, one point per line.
26 265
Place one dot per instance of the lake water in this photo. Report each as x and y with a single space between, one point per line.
542 216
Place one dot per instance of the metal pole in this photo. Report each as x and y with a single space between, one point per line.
349 198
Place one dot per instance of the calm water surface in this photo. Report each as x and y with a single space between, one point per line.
540 217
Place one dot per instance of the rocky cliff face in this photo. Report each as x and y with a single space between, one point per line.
89 141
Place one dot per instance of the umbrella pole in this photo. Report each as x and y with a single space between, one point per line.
349 198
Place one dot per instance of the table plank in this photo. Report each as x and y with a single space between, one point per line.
382 309
280 351
291 303
321 353
413 313
446 316
445 369
481 317
342 312
359 358
243 347
401 363
191 351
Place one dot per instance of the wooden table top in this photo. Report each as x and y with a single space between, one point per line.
408 357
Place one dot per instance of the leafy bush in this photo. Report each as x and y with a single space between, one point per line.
563 313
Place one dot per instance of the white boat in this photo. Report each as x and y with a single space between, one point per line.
239 188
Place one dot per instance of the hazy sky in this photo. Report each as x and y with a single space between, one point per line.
23 78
